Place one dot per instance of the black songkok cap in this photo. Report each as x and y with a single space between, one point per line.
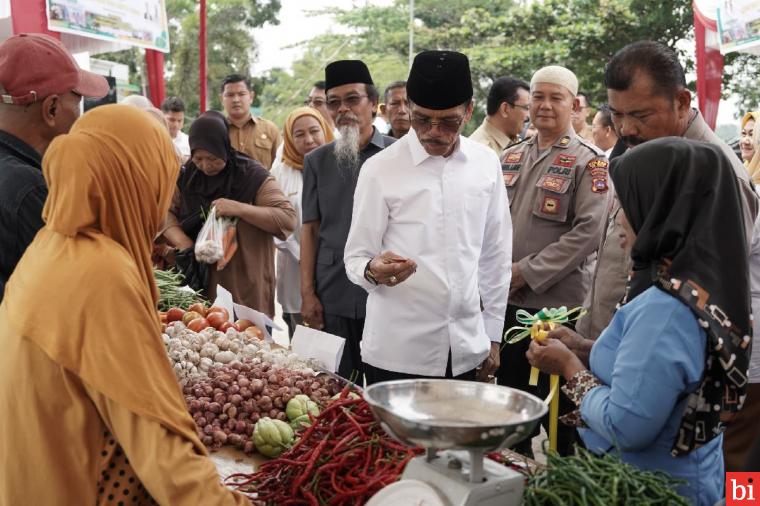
343 72
439 80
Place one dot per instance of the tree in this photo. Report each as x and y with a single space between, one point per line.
502 37
740 80
230 46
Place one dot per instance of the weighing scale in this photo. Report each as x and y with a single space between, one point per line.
457 422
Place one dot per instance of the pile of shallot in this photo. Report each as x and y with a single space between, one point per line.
228 402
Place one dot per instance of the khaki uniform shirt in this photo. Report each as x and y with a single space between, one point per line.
257 138
558 200
612 268
586 133
490 136
614 265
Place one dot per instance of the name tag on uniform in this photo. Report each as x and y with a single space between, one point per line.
560 171
510 173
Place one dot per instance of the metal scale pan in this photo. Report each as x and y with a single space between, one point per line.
466 419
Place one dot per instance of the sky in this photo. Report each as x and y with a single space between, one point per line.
296 25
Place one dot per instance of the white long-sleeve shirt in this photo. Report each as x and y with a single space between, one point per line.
754 278
289 250
451 216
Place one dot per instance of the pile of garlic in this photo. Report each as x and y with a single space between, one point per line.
192 354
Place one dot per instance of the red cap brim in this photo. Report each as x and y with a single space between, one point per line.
91 85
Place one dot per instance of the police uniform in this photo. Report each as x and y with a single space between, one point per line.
558 198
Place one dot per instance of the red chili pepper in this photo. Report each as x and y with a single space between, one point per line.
343 458
309 466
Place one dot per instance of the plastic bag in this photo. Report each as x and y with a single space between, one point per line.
209 247
217 240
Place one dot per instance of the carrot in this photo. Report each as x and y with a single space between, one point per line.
229 245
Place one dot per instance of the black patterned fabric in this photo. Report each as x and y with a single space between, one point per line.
683 201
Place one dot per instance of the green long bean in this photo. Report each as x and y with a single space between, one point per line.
585 478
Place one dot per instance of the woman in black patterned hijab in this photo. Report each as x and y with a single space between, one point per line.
676 353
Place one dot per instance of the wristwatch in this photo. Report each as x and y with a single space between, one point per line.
368 273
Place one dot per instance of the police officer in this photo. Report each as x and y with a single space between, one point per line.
558 193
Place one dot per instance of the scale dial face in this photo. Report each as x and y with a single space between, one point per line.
407 493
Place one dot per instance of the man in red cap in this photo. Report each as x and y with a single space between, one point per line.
41 88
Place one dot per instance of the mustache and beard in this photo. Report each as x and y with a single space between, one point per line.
347 145
632 140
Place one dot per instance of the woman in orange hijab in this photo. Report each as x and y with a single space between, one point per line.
92 412
305 130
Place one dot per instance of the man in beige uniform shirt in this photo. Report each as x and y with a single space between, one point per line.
255 136
507 111
646 103
580 117
648 98
558 193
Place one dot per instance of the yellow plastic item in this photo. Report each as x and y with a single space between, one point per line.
538 333
553 411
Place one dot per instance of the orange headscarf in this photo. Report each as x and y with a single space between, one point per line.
84 291
290 154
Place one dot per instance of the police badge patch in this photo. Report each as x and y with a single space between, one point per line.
598 170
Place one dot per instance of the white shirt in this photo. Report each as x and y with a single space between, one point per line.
754 288
289 251
382 126
451 216
182 142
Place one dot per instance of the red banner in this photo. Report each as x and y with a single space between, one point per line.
709 65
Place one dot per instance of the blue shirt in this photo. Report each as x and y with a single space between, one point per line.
650 357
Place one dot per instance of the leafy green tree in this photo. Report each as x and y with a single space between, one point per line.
500 37
740 79
230 46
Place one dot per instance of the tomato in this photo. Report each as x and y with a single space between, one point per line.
198 324
174 314
162 318
228 325
198 307
254 332
217 309
190 316
216 319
